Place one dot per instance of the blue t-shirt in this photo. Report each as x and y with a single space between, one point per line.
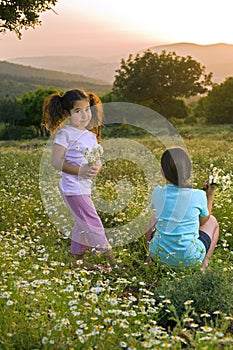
177 212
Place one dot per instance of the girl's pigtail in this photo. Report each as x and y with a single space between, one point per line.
97 115
53 112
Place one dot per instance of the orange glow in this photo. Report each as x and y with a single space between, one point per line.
98 28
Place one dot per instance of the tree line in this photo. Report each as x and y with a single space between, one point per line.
162 82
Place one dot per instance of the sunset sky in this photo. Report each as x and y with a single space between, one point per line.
102 28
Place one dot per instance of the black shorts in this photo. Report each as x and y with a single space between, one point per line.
205 239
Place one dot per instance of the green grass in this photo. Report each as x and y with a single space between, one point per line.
45 304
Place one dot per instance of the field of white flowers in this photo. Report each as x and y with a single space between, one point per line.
47 304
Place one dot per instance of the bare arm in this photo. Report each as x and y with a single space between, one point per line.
58 162
210 199
149 229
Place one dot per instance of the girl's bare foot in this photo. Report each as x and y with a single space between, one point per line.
103 268
148 260
204 264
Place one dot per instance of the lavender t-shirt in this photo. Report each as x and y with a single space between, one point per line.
76 142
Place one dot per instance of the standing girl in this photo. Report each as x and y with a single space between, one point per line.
72 145
185 231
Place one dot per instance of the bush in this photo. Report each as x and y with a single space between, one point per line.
15 132
210 291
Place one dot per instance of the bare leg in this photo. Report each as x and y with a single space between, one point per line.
80 261
211 227
149 230
111 258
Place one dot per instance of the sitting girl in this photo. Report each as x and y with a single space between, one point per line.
185 231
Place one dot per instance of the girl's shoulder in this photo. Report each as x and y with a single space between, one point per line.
71 132
61 134
159 189
67 135
198 196
91 138
166 187
65 130
91 134
198 192
173 188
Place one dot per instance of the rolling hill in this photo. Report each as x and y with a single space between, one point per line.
218 58
65 72
17 79
102 69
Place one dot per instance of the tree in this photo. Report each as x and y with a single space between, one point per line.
155 79
10 112
32 104
217 106
199 108
18 14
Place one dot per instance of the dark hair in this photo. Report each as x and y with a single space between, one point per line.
57 107
97 115
176 166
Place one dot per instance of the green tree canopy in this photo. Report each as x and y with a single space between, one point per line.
217 106
18 14
154 79
10 116
10 111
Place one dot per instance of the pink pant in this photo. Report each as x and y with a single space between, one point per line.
88 231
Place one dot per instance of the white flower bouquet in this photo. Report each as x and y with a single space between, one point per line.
94 156
218 178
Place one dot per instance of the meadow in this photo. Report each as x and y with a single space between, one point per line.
47 304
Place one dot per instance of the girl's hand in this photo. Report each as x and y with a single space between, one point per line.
94 170
210 191
89 172
209 188
97 167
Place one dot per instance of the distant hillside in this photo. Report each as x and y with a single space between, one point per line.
18 79
218 58
102 69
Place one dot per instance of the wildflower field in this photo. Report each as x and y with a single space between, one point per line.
47 304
